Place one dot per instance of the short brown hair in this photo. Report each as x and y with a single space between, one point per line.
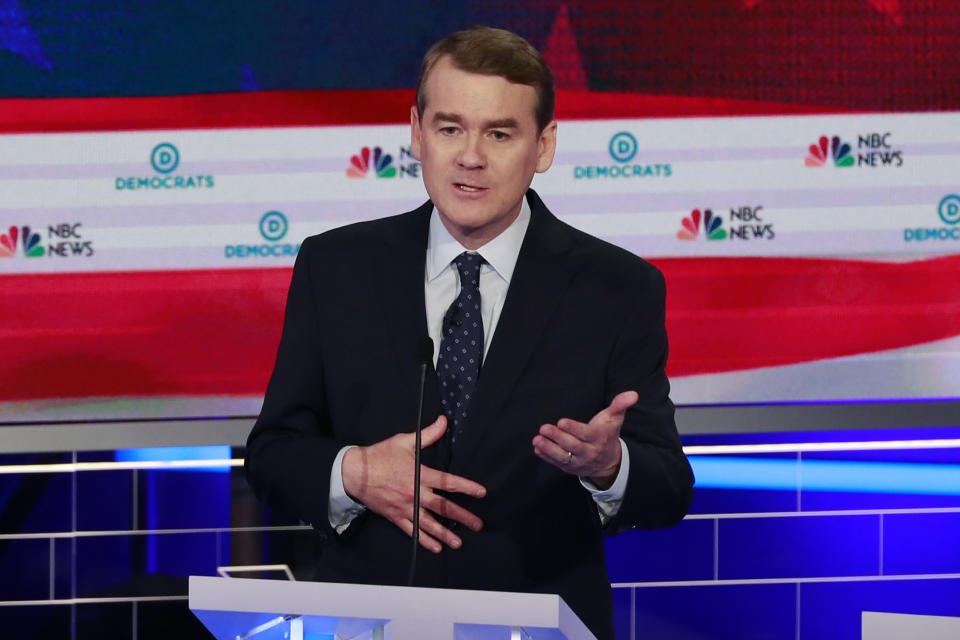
494 52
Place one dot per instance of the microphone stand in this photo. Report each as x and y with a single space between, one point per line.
426 357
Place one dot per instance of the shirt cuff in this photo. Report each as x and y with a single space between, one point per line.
342 509
609 500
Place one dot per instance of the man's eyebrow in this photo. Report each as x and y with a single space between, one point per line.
502 123
440 116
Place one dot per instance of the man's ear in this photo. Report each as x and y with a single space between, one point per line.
546 146
416 132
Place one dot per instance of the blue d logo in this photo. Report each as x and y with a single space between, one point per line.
623 146
273 225
949 209
164 157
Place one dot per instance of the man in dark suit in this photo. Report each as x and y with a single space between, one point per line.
549 421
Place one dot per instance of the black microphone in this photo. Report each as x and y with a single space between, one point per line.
425 357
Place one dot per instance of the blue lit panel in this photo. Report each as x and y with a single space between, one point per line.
949 455
182 554
846 500
166 454
745 473
683 552
922 489
917 543
105 500
63 569
709 500
24 569
832 610
621 614
827 475
731 490
730 612
832 435
35 502
799 546
106 565
185 499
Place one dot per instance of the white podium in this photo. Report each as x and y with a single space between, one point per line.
246 609
875 625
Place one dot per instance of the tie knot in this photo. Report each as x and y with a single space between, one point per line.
468 264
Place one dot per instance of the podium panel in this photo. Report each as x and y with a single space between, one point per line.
900 626
249 609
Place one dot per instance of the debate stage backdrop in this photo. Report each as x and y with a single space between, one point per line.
792 167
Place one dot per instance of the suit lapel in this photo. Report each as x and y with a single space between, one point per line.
538 284
400 284
401 291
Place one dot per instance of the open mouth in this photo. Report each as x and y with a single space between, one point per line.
468 188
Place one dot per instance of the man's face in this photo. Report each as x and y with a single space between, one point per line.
478 143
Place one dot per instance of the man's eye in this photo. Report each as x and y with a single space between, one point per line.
499 135
449 131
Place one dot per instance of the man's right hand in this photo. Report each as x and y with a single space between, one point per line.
381 478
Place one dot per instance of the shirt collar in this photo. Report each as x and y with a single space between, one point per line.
501 252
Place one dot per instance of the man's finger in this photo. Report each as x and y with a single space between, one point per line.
451 483
434 432
578 430
430 525
426 541
621 402
551 452
451 511
566 435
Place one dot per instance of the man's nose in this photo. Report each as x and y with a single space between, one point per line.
471 154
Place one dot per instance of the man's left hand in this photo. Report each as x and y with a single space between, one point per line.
590 450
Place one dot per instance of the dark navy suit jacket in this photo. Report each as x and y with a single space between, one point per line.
583 320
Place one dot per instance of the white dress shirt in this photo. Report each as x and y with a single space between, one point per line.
441 286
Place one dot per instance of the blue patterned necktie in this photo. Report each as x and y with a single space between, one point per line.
461 347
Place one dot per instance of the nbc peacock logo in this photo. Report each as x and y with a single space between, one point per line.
830 150
381 162
711 226
28 241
